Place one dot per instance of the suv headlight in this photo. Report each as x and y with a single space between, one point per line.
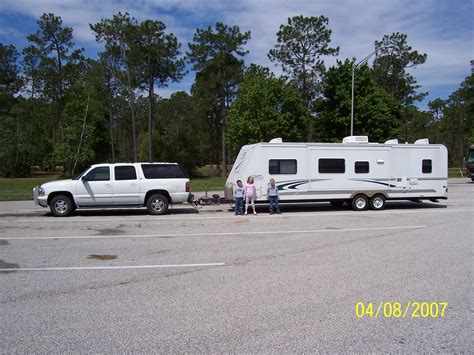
41 191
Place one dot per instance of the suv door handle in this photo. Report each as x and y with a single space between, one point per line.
108 185
134 185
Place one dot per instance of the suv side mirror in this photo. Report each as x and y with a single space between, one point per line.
84 178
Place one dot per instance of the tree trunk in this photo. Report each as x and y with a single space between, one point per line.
306 105
150 118
132 106
134 139
224 160
61 123
111 122
223 131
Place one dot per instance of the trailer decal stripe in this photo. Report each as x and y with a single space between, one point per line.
292 185
374 182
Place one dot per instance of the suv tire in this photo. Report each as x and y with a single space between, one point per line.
61 206
157 204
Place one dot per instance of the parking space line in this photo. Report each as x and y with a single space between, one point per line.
227 215
110 267
215 234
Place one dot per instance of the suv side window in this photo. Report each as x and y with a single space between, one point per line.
163 171
125 173
99 174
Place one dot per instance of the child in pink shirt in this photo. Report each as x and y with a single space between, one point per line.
250 194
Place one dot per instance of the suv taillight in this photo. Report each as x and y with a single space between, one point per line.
188 187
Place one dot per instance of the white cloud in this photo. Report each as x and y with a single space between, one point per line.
441 28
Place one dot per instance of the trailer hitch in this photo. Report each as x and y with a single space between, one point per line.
205 200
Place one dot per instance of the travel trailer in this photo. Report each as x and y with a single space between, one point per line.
362 174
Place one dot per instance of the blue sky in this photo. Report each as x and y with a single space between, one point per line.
441 28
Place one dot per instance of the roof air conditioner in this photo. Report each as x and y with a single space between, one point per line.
356 139
276 140
422 141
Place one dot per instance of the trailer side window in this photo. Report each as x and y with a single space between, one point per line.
332 166
426 167
361 167
282 166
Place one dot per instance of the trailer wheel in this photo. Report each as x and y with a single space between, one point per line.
360 203
377 202
157 204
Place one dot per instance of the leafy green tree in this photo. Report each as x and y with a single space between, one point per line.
215 54
10 81
101 76
118 35
86 131
457 122
157 55
376 112
59 63
436 110
14 148
266 107
394 57
182 132
31 70
300 45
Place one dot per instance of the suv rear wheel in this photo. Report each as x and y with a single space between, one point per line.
157 204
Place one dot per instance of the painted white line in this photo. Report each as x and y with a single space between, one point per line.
216 234
228 215
111 267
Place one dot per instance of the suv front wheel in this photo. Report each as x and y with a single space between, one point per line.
157 204
61 206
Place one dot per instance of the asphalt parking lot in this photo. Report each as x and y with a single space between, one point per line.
207 281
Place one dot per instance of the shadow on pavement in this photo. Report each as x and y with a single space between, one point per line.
224 208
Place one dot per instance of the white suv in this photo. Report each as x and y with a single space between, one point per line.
154 185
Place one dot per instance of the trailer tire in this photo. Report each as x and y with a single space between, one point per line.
360 202
377 202
157 204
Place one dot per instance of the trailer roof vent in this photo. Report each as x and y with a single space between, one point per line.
356 139
422 141
276 140
392 141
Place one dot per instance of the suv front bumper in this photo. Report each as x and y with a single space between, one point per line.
39 200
